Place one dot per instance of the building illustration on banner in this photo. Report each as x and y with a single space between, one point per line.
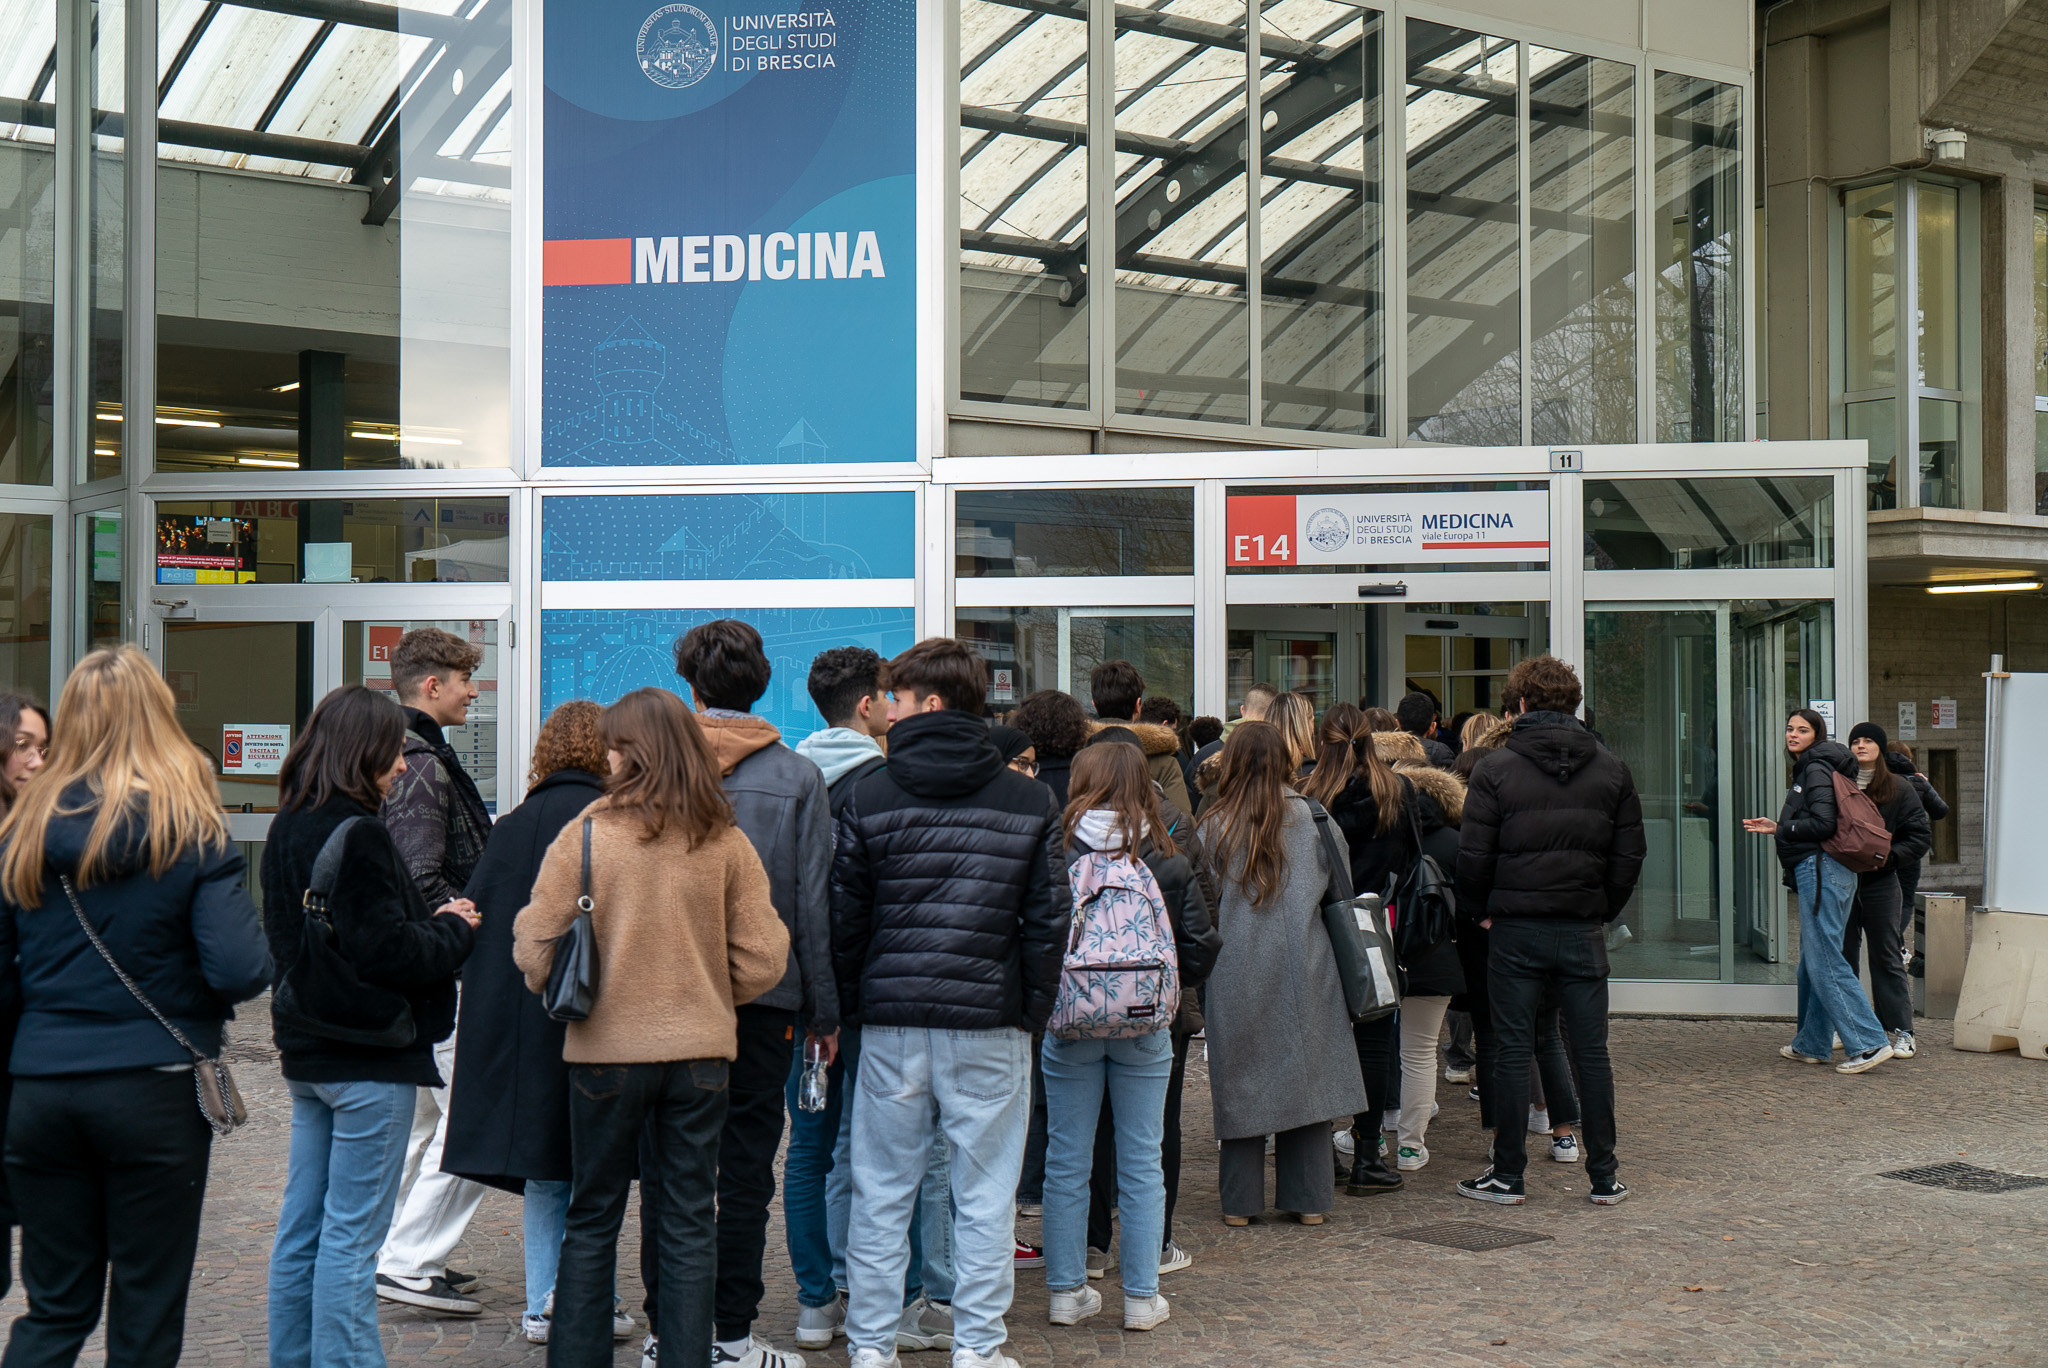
824 535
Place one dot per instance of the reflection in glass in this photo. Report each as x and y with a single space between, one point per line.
1876 421
1322 218
1029 649
1699 259
349 308
1024 204
1734 523
1006 532
1941 454
1464 289
332 541
1582 255
101 26
25 574
366 659
1653 690
1937 281
1869 289
1182 311
1291 661
229 677
28 28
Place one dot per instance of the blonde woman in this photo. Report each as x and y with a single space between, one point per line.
106 1147
1295 716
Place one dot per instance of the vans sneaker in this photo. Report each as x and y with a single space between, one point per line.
1609 1192
1565 1149
1411 1157
818 1326
1071 1308
1173 1258
1145 1313
1492 1187
1902 1045
1869 1059
432 1294
925 1325
1029 1256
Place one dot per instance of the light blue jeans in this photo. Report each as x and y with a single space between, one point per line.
545 1216
1134 1073
1831 1001
975 1088
341 1184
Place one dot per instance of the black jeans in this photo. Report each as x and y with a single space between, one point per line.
746 1173
1529 960
1875 916
1031 1182
1379 1056
108 1173
677 1110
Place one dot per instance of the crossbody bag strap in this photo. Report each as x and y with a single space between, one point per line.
583 903
86 923
1340 867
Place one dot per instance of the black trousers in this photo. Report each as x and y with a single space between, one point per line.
108 1173
1530 960
1031 1182
746 1173
1379 1059
1875 916
669 1117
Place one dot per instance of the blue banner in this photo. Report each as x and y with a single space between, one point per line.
836 534
602 653
729 265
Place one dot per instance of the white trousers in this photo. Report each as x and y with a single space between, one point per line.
433 1207
1422 1018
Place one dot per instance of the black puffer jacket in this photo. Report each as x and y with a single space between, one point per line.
1912 836
1808 817
1930 797
1552 827
949 891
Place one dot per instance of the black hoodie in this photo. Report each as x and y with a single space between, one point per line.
1552 827
1930 798
949 886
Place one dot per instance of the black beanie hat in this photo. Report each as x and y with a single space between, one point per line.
1870 731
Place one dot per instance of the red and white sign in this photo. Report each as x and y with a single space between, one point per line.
1384 529
253 748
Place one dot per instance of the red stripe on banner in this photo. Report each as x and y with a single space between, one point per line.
1481 546
587 261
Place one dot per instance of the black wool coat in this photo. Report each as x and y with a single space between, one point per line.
508 1114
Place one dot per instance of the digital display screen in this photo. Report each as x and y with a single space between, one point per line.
193 549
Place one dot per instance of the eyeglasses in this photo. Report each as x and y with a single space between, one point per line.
1025 767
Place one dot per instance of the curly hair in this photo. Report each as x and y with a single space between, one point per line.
569 740
1055 723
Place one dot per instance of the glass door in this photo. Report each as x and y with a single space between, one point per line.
366 646
1657 694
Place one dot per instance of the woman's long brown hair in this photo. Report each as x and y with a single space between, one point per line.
666 771
1335 762
1388 791
1112 775
116 732
1249 809
1295 716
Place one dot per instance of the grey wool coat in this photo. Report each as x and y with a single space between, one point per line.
1280 1046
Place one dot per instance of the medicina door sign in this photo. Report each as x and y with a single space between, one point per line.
1382 529
728 266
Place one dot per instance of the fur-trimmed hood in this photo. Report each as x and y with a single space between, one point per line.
1156 739
1445 787
1397 746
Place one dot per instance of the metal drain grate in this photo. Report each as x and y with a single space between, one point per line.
1966 1178
1466 1235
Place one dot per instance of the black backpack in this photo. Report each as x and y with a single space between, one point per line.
1426 901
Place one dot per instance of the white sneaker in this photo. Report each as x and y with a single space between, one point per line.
871 1358
1902 1045
1145 1313
925 1325
1408 1158
1173 1258
534 1328
757 1355
818 1326
1565 1149
1390 1119
1870 1059
1452 1075
622 1324
649 1349
1346 1143
1071 1308
967 1358
1539 1121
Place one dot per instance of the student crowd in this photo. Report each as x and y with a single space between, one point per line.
963 960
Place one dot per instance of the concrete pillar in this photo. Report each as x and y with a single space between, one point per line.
2008 313
1796 237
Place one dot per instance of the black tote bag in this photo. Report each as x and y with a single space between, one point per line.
1357 927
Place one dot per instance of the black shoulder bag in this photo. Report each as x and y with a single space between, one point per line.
572 979
220 1101
322 994
1357 927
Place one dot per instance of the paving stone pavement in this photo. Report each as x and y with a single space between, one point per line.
1759 1232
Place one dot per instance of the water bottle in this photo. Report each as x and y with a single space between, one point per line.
815 1086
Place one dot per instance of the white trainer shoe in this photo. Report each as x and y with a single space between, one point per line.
967 1358
1071 1308
1145 1313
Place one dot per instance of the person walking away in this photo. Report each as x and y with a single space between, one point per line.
1118 693
1550 850
1258 701
1831 1001
1874 917
950 906
686 933
24 741
107 1150
1430 971
1418 717
1258 698
1058 728
1281 1061
508 1106
778 801
1164 712
1295 716
440 823
1114 813
1899 757
352 1102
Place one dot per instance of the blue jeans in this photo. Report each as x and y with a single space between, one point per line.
808 1191
975 1086
341 1184
545 1215
1831 1001
1134 1073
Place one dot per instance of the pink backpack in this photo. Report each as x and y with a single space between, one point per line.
1121 973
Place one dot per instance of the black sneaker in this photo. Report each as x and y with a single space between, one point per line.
1609 1192
432 1294
462 1282
1492 1187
